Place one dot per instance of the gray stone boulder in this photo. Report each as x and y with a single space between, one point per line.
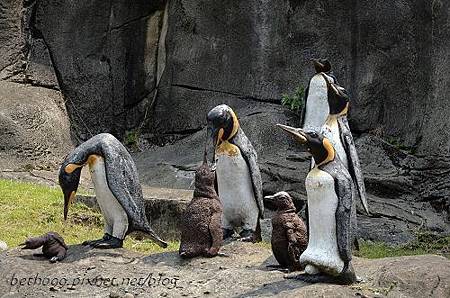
89 272
3 246
34 127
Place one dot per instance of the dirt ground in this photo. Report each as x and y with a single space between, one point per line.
243 273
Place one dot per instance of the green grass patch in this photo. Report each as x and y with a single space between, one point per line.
425 243
28 210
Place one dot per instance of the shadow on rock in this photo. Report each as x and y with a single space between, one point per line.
274 288
171 259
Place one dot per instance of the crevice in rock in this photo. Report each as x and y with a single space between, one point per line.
184 132
130 22
241 96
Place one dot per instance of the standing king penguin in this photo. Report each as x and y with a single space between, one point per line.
325 110
238 177
330 194
117 188
315 111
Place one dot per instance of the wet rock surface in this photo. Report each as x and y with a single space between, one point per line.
85 273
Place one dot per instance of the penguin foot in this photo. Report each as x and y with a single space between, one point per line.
108 241
277 268
247 236
227 233
55 259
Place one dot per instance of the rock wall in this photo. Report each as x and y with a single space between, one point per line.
157 67
390 55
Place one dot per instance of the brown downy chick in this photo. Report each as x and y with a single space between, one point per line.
201 223
289 233
53 246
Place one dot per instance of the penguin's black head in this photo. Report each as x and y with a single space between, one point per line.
281 201
321 65
222 125
319 146
69 179
338 98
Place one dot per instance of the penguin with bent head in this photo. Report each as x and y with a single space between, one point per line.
238 177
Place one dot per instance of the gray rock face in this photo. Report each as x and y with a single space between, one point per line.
242 274
392 60
34 127
158 67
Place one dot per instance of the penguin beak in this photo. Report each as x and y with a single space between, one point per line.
211 144
298 133
155 238
332 87
69 198
270 198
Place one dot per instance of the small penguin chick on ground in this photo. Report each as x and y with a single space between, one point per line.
289 233
201 223
53 246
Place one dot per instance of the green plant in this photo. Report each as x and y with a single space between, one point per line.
295 101
131 138
425 243
397 143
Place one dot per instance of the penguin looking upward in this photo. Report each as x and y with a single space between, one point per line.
201 223
337 130
117 188
238 177
325 110
289 235
315 109
330 194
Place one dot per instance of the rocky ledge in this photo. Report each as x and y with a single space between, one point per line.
243 273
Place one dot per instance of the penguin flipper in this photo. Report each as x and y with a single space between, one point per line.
354 166
344 229
215 231
35 242
305 100
250 156
294 250
123 181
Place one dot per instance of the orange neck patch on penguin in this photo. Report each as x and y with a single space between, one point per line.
92 159
226 148
330 150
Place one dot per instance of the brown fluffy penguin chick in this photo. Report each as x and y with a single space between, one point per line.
53 246
201 223
289 233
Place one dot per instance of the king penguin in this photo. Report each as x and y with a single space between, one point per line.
315 109
238 177
117 188
330 193
325 110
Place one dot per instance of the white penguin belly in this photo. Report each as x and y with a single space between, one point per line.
317 109
115 217
322 251
331 130
236 192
